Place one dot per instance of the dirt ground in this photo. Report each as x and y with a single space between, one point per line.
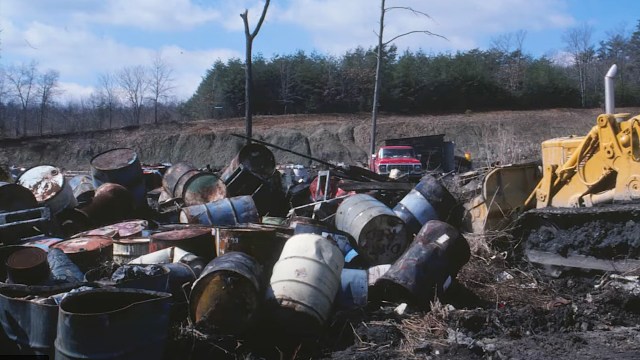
501 136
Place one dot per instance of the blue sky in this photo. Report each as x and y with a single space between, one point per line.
84 38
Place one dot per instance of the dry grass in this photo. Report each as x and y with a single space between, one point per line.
430 327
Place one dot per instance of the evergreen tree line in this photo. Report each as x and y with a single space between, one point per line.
503 77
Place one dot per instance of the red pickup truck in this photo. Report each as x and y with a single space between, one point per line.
399 157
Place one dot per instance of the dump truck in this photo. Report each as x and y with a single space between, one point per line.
584 210
400 157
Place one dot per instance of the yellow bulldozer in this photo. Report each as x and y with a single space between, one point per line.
582 210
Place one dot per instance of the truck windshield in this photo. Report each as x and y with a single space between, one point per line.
394 153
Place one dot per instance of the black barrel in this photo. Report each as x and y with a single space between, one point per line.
120 166
254 158
113 323
427 267
14 197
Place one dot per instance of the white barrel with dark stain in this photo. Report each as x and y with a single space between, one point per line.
49 187
379 233
305 282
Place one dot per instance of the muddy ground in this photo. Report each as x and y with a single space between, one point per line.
499 308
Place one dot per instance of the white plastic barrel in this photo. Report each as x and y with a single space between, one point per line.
306 279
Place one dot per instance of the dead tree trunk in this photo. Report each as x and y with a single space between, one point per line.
248 87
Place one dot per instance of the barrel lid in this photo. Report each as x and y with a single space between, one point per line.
181 234
14 197
114 159
27 258
119 230
44 240
84 244
44 181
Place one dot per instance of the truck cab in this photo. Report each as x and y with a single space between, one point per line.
401 157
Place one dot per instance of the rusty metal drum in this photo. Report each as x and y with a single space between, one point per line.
224 212
254 158
379 233
120 166
113 323
227 293
429 200
28 266
87 252
193 186
305 282
428 266
198 241
49 187
111 203
261 242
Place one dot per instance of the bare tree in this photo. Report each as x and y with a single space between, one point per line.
509 46
381 45
107 89
47 89
578 42
249 36
22 82
160 83
135 84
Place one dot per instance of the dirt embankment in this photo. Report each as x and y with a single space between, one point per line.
506 136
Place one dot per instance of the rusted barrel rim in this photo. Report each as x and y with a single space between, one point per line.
135 158
156 295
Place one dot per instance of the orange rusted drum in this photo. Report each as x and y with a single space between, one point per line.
111 203
87 252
